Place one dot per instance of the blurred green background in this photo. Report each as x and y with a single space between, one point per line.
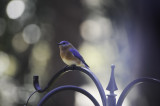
120 32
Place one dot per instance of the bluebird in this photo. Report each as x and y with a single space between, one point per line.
70 55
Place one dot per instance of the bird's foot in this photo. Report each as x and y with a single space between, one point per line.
66 66
73 66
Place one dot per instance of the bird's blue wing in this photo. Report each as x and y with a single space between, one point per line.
77 54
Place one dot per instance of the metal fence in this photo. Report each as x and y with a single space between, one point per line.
110 100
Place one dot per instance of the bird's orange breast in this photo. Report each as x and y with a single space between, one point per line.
69 58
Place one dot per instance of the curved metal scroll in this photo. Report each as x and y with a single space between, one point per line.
68 87
131 85
73 68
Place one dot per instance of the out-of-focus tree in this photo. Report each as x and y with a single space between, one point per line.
29 33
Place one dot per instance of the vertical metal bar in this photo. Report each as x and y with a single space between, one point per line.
68 87
111 88
111 99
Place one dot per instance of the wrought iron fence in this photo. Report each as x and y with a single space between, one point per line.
110 100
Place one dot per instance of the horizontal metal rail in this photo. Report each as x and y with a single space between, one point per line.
67 87
132 84
68 69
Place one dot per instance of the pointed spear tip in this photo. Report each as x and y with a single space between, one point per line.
112 84
112 66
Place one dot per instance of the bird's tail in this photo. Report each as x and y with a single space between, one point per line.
86 65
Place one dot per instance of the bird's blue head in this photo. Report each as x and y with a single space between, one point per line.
64 43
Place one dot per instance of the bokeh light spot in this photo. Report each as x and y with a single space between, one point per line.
90 56
12 68
92 3
15 9
41 51
8 91
8 64
19 44
41 54
31 34
96 29
90 30
4 62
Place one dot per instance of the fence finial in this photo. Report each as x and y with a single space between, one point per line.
112 87
112 84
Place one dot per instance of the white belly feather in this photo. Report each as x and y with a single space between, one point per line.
69 62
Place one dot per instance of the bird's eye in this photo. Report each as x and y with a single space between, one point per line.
64 43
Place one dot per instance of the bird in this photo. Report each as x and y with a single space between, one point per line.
70 55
